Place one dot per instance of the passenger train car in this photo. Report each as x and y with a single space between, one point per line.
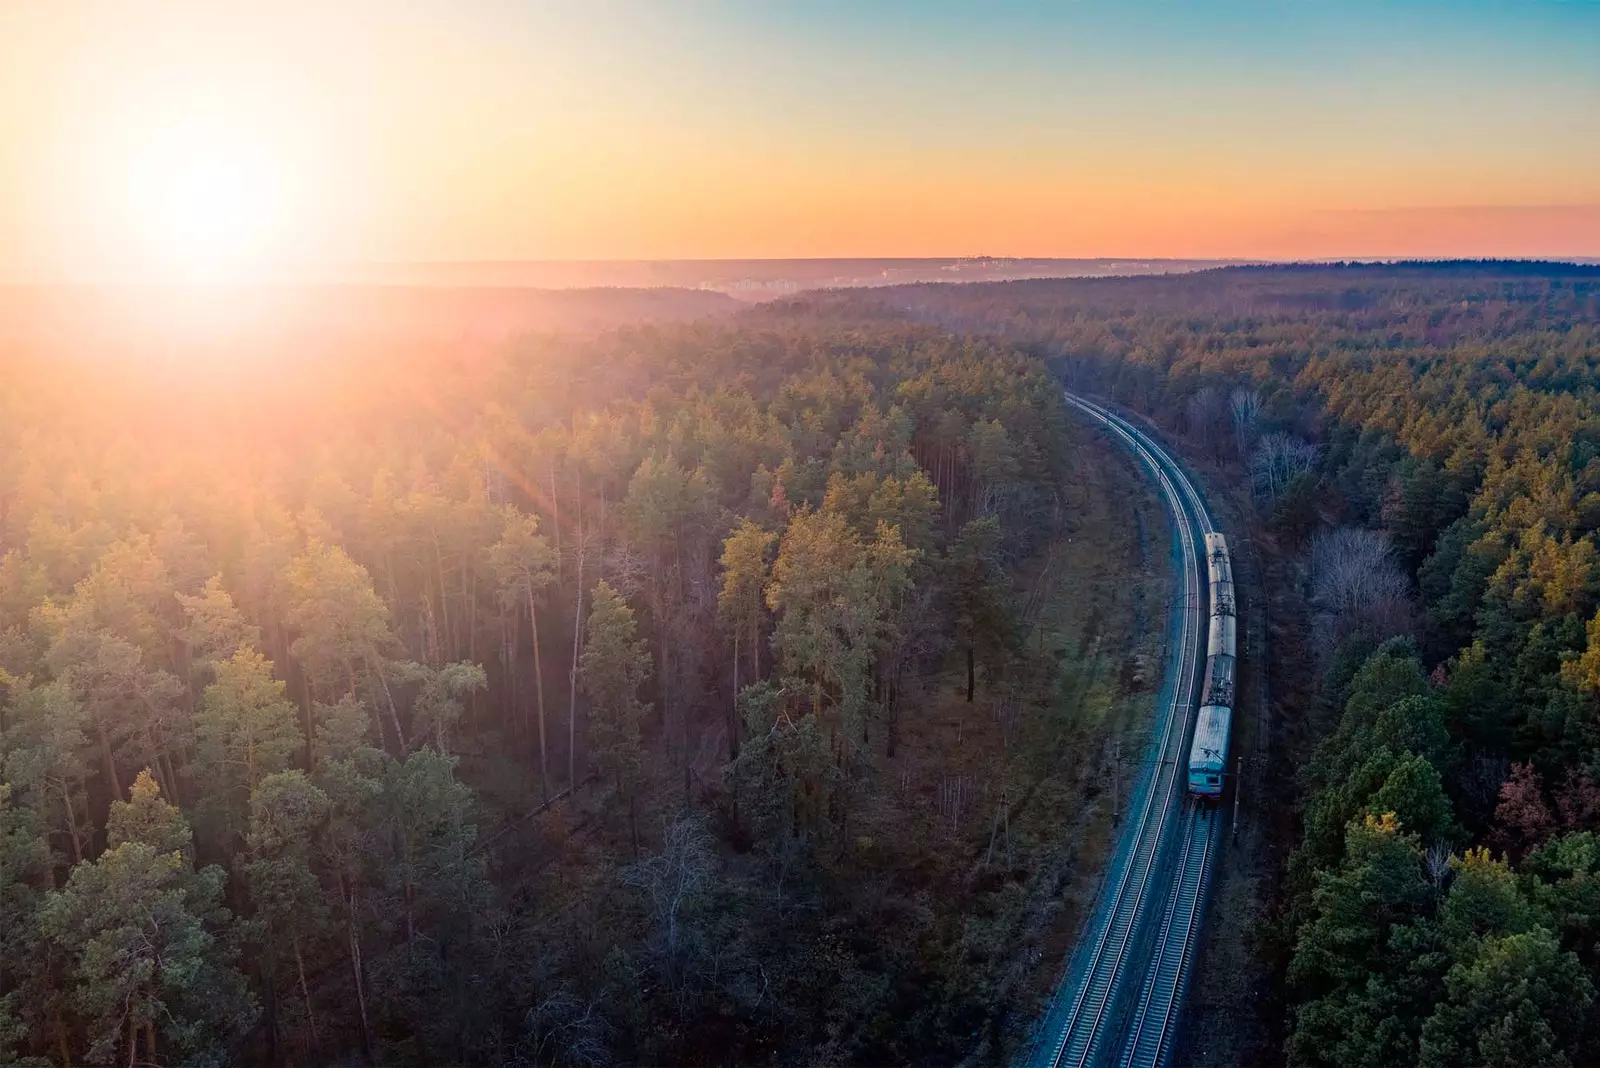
1208 754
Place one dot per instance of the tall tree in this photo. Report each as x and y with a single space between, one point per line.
980 595
213 629
287 814
343 626
147 939
47 756
744 576
245 731
615 665
524 565
25 985
835 595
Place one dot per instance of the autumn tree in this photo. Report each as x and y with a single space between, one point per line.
1523 818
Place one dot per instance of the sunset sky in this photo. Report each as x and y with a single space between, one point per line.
215 135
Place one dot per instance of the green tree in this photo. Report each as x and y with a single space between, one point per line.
835 597
47 756
146 937
1358 917
615 664
441 699
1520 1000
524 565
667 514
287 814
213 628
245 730
343 626
980 595
25 985
744 575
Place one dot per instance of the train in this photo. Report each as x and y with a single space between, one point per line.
1208 753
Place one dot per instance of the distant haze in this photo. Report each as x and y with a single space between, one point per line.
748 279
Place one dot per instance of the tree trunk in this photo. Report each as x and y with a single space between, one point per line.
892 732
755 644
305 992
555 517
538 685
72 824
310 725
971 675
355 967
376 667
658 609
111 765
572 679
444 601
508 657
471 582
153 764
733 705
61 1041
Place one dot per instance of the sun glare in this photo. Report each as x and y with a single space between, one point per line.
209 210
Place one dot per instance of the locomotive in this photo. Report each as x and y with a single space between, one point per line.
1208 753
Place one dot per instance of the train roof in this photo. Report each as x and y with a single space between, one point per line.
1210 736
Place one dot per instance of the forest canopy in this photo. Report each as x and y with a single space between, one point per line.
489 703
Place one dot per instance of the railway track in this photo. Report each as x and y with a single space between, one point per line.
1153 1027
1142 933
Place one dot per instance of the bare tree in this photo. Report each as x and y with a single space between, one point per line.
1357 587
1207 413
562 1028
1244 403
1277 460
672 880
1437 861
625 569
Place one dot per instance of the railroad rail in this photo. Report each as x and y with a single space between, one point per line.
1142 933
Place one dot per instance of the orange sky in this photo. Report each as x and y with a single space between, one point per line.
204 137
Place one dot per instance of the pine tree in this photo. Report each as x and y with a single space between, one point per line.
147 940
744 576
524 565
245 730
615 664
287 813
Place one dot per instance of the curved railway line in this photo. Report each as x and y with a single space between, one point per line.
1120 1000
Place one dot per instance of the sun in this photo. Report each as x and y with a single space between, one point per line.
209 207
